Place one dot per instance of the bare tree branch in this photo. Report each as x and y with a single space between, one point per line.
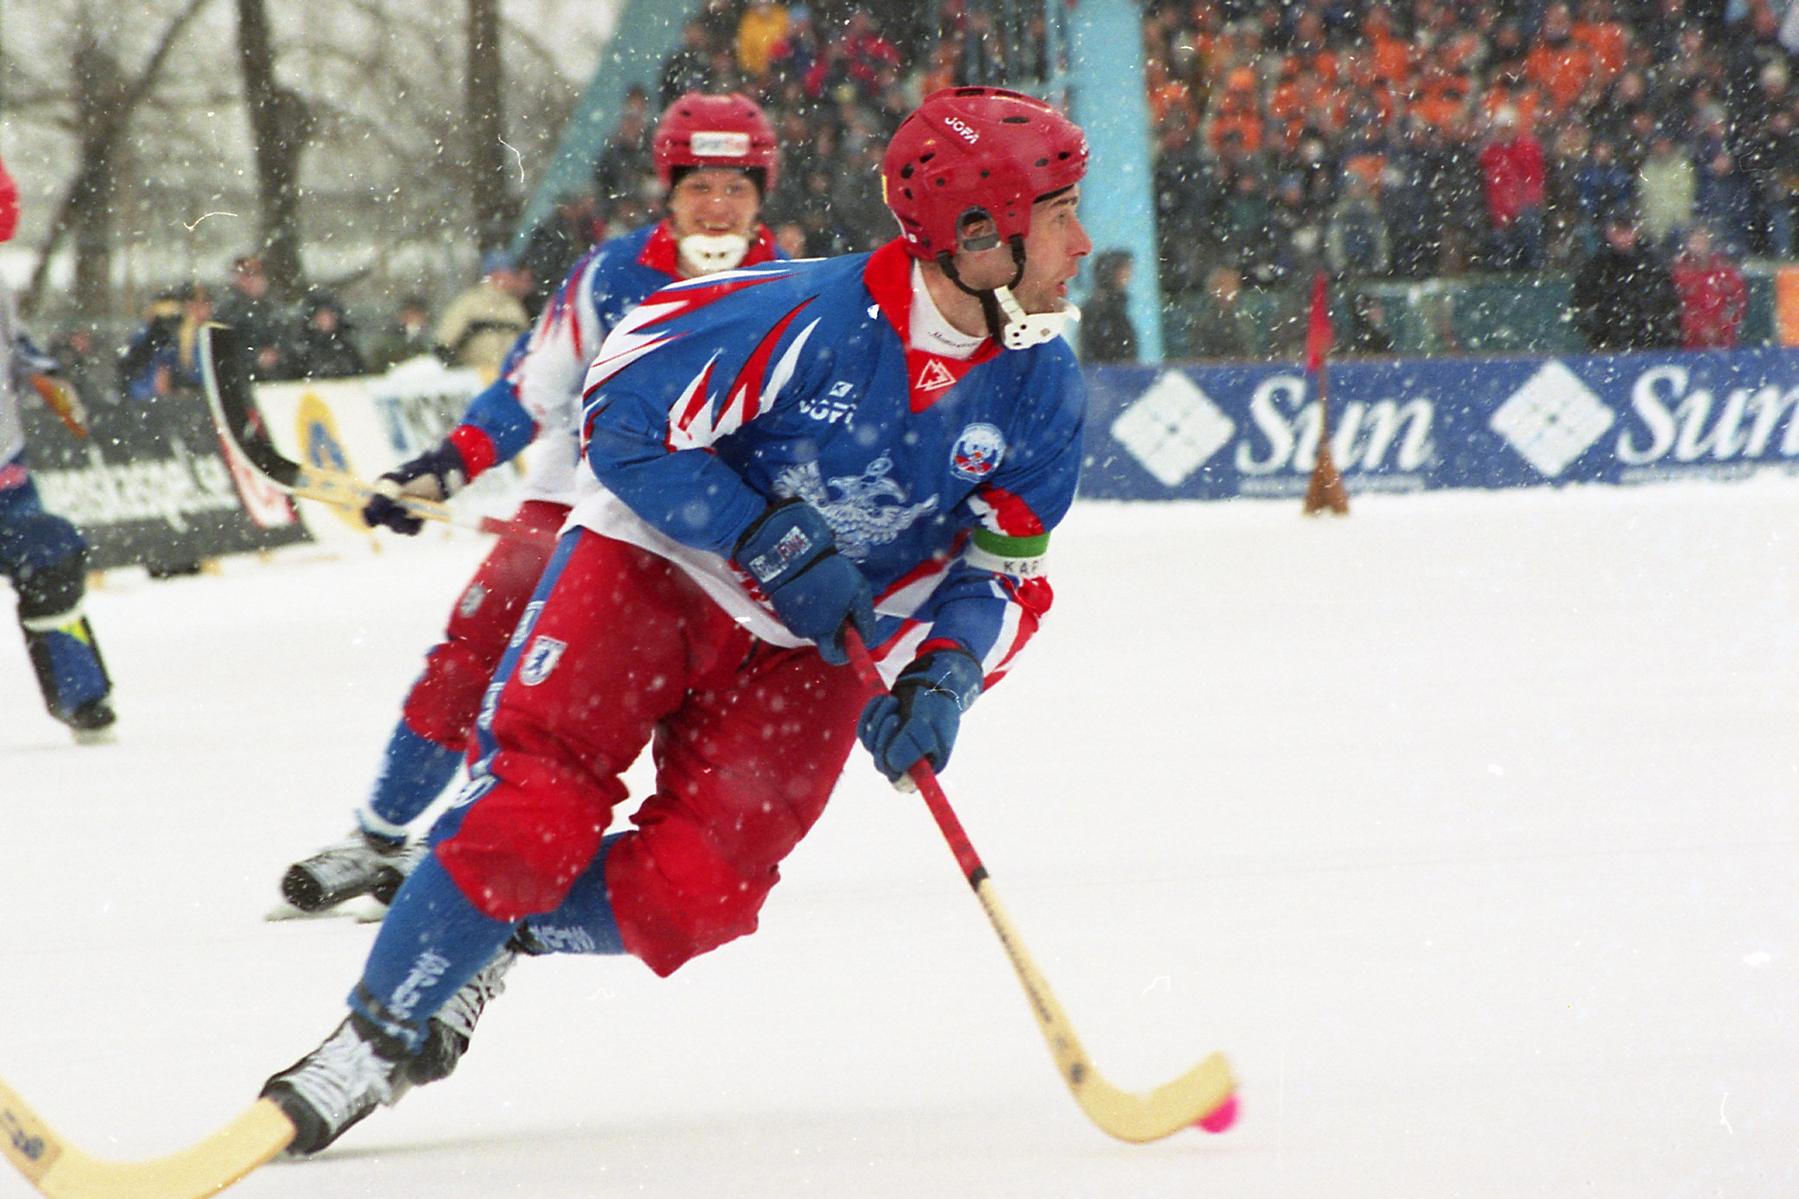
88 201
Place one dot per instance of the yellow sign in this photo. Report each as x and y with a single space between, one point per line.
323 446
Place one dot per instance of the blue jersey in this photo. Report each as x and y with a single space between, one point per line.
538 389
940 477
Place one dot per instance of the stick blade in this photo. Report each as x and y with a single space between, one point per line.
225 375
60 1170
1168 1109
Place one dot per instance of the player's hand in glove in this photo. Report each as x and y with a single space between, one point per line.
918 719
437 474
815 590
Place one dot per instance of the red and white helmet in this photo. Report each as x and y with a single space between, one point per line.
977 149
699 130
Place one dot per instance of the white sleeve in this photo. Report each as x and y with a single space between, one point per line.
548 375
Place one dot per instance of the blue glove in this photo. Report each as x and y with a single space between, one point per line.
920 716
437 474
29 360
815 590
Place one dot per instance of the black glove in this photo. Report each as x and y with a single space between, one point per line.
437 474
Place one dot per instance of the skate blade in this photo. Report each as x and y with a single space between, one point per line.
362 909
105 736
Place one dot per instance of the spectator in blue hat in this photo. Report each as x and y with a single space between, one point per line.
481 324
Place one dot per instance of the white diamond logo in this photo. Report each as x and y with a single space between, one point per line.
1173 428
1552 420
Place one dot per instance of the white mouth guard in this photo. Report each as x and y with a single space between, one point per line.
714 251
1026 329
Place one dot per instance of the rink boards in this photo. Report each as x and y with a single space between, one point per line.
153 485
1222 432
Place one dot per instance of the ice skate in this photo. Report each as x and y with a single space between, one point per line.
357 865
357 1069
92 722
399 864
360 1068
453 1026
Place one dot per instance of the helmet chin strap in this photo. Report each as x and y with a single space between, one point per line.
713 251
1007 321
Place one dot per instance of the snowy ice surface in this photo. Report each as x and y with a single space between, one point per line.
1465 826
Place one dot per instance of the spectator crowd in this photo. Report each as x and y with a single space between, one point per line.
311 338
1374 140
1371 139
1439 136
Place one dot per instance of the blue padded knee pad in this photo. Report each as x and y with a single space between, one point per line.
34 541
414 772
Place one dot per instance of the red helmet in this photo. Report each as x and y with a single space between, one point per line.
715 131
977 148
9 205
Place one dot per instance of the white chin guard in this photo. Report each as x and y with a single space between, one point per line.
713 252
1026 329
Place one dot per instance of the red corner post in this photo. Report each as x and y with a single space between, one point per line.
1325 492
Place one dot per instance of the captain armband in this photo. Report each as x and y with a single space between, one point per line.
1021 557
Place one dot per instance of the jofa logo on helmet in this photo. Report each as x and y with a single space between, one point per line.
719 143
540 659
964 128
977 452
472 599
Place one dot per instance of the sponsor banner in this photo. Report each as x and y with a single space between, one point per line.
1185 432
370 424
150 485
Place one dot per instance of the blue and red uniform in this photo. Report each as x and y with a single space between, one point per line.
43 555
535 399
940 471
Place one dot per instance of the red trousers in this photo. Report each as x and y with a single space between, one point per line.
443 701
748 740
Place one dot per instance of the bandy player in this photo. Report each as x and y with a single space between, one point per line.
879 443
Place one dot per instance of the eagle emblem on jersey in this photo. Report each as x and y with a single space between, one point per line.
864 511
977 452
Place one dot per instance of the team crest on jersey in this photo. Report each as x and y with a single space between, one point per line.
540 659
977 452
472 599
934 377
525 624
864 511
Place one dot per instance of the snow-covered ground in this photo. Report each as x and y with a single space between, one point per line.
1466 827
